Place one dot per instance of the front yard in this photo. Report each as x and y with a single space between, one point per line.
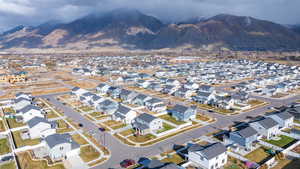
171 119
78 139
283 141
10 165
141 138
88 153
4 146
63 127
258 155
19 142
174 158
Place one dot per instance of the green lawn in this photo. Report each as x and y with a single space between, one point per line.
12 123
171 119
166 127
282 142
4 146
10 165
257 155
297 121
88 153
20 143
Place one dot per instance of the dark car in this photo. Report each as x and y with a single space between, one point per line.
102 129
80 125
127 163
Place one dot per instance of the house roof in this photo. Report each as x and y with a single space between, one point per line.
267 122
246 132
284 115
28 108
123 110
154 100
56 139
36 120
146 117
209 151
75 89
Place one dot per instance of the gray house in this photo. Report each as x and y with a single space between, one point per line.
244 137
146 123
183 113
107 106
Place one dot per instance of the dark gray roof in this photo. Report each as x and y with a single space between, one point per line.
154 164
96 97
246 132
146 117
28 108
56 139
284 115
267 122
180 108
210 151
36 120
75 88
141 96
123 110
21 99
154 100
106 102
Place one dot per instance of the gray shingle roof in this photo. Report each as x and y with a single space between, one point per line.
210 151
267 122
56 139
36 120
28 108
284 115
123 110
147 117
246 132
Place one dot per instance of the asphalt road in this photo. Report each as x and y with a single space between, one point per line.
120 151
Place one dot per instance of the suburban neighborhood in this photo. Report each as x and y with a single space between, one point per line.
150 113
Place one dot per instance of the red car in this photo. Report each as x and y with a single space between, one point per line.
127 163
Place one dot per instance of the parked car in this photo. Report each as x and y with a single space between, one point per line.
80 125
127 163
102 129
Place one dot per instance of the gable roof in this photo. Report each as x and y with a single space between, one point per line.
28 108
210 151
267 122
246 132
284 115
147 117
36 120
56 139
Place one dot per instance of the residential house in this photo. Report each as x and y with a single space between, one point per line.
211 156
169 89
183 113
124 114
266 127
29 112
206 88
146 123
61 146
107 106
184 93
40 127
173 82
191 86
284 119
102 88
140 99
244 137
127 95
156 164
155 104
20 103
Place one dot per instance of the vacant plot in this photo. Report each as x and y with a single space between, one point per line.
283 141
257 155
142 138
88 153
19 142
82 84
51 114
171 119
4 146
26 161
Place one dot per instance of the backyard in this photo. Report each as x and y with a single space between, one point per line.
19 142
26 161
12 123
88 153
4 146
171 119
10 165
166 127
258 155
283 141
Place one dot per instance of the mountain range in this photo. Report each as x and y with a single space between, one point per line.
131 29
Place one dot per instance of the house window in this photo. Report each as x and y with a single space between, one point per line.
223 161
212 167
61 148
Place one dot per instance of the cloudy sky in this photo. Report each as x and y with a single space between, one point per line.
33 12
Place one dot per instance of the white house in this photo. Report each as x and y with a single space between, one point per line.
29 112
20 103
211 156
146 123
61 146
40 128
266 127
124 114
102 88
284 119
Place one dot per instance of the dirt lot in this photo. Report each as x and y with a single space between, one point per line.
82 84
